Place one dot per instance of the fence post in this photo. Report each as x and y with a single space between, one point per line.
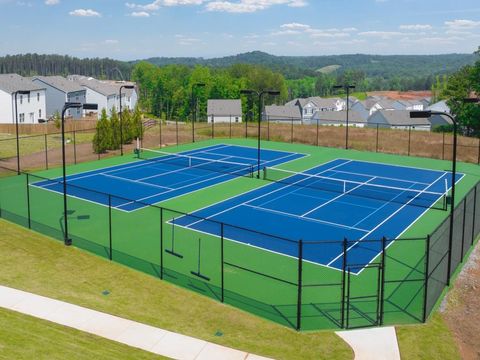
299 285
450 244
344 267
230 127
46 151
382 282
246 126
478 155
213 128
376 143
409 138
28 203
161 243
74 148
463 227
427 260
222 250
110 226
318 130
474 213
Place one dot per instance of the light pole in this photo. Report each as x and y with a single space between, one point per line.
121 116
69 105
21 92
347 88
194 107
260 108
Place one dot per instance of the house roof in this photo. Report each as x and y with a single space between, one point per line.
275 112
398 118
102 87
224 107
322 103
338 116
440 106
11 83
60 83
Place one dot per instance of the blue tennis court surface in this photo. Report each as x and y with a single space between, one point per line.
341 199
165 176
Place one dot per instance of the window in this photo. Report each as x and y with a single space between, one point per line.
39 113
21 118
38 97
236 119
29 97
21 99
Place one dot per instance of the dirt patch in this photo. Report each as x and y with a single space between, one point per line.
402 95
460 308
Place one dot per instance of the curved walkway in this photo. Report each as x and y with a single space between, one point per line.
145 337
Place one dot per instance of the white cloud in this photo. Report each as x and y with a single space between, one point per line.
52 2
415 27
157 4
111 42
462 24
85 13
295 26
249 6
140 14
385 35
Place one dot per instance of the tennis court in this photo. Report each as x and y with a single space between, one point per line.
357 200
160 176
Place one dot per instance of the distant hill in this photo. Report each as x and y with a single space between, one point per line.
387 66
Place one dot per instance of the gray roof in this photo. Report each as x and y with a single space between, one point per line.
102 87
397 118
440 106
224 107
60 83
275 112
338 116
322 103
11 83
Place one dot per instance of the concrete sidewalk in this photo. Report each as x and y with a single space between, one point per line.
145 337
372 344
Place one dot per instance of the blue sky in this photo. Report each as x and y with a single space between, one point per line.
208 28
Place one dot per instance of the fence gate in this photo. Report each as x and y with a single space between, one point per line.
363 296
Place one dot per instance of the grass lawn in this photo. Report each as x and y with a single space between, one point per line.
35 263
432 340
26 337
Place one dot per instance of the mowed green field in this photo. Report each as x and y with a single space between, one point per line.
271 290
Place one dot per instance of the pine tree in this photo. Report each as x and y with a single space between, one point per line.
115 130
137 123
102 138
127 127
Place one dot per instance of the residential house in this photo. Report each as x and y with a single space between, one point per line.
310 105
106 93
59 91
280 114
360 107
338 118
440 106
426 102
408 105
31 108
224 111
398 119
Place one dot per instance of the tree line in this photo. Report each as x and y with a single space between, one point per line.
45 65
166 91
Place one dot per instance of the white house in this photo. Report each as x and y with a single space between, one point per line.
106 93
59 91
31 107
224 111
311 105
338 118
408 105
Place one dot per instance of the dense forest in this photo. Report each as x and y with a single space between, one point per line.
34 64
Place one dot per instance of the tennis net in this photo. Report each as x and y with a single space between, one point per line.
410 196
188 161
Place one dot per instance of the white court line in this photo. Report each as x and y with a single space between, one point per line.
388 218
337 197
258 197
135 181
307 218
401 166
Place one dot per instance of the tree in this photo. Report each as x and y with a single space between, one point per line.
115 130
102 137
127 127
137 125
